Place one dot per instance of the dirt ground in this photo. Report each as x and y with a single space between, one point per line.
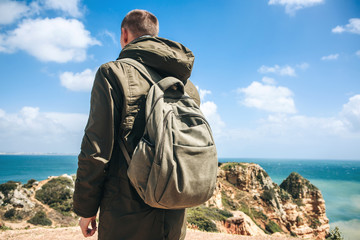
73 233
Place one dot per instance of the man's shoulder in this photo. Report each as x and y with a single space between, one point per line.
109 65
112 67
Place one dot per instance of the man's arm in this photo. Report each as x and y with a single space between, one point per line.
96 148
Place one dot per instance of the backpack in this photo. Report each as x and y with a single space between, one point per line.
174 166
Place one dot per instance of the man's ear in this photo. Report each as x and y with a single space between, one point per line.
124 36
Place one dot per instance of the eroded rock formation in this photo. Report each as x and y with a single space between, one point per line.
295 207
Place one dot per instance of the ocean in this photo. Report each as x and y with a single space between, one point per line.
338 180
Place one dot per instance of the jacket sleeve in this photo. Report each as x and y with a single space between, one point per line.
96 148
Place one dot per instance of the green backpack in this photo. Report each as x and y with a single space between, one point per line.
174 165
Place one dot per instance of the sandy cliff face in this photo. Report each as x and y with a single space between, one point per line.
295 207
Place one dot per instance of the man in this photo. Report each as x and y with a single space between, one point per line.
117 114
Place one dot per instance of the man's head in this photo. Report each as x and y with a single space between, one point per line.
138 23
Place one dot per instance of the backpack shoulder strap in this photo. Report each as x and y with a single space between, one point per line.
149 75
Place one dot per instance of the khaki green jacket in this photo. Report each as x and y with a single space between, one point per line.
117 113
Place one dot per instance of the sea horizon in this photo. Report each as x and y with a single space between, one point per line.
239 158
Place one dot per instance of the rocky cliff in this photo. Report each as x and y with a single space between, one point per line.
296 207
37 203
246 202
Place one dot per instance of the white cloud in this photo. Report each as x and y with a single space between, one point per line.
351 113
338 29
330 57
358 53
283 71
268 98
110 35
57 40
10 11
303 66
291 6
203 93
82 81
209 109
70 7
281 135
298 125
31 130
352 27
268 80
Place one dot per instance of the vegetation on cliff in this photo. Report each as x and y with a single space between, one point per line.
245 194
204 217
5 188
57 193
29 183
40 218
335 234
296 185
295 208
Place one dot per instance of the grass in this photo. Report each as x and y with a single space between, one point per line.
204 218
258 215
272 227
4 228
227 202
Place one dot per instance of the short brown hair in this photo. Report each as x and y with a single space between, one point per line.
141 22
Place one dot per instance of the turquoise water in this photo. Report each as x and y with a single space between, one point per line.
339 181
24 167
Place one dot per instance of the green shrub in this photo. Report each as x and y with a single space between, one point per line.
231 166
272 227
259 178
315 223
204 217
284 196
335 234
12 214
299 202
40 218
5 188
299 220
295 185
268 195
57 194
29 184
4 228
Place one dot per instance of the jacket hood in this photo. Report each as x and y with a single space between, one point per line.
166 57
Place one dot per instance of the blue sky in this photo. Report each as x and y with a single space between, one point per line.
278 78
